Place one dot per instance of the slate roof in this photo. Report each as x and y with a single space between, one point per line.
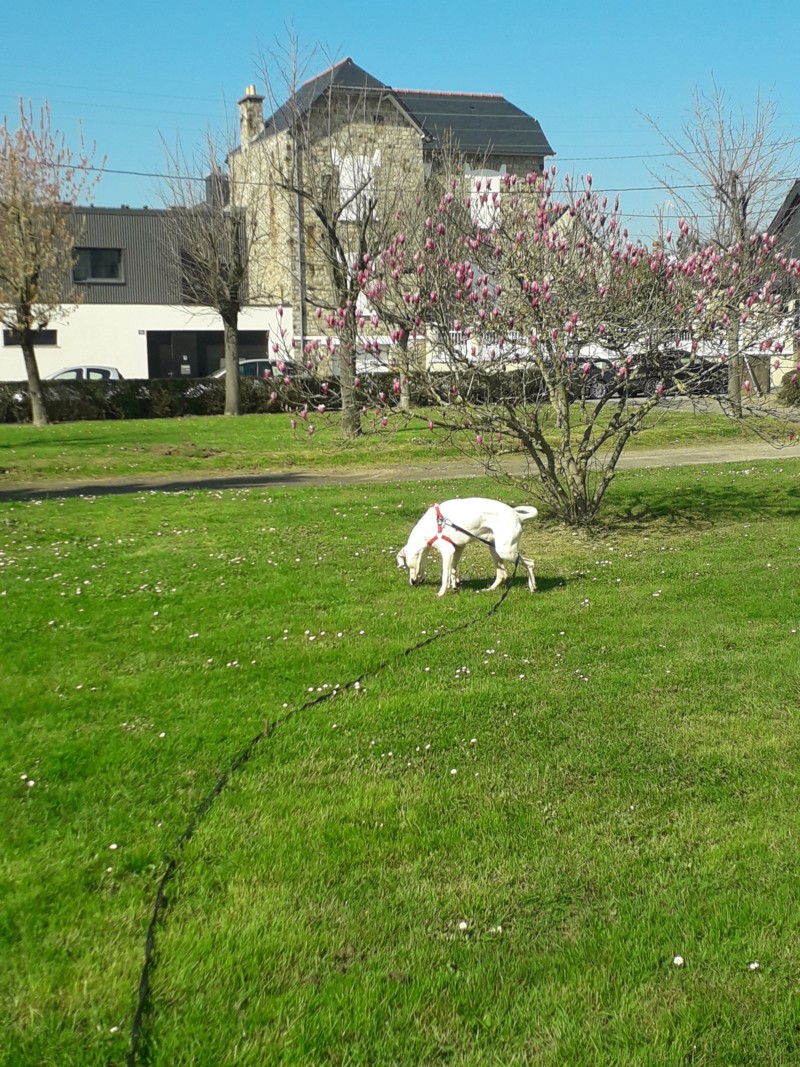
478 122
344 75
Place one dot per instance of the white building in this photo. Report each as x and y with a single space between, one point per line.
131 313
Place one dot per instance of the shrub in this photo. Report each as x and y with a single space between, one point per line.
157 398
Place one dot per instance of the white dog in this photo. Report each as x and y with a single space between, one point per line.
449 527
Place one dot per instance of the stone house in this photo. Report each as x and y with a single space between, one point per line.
331 170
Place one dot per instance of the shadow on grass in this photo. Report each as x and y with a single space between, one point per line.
701 501
519 581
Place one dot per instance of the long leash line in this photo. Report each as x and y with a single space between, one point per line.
239 761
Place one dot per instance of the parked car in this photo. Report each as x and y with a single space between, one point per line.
264 368
680 374
80 374
600 378
75 374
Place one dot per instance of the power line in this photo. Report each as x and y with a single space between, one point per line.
620 157
777 180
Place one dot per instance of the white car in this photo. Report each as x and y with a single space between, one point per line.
80 374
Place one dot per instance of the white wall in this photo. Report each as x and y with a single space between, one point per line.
115 335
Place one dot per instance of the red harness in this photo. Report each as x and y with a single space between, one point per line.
440 522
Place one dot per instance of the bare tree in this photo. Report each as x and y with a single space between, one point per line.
212 240
41 179
339 157
727 175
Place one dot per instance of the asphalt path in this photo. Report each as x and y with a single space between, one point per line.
632 459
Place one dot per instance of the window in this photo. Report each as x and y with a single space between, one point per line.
40 337
356 184
97 265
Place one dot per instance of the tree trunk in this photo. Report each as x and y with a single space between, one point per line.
405 369
734 373
38 409
351 416
233 400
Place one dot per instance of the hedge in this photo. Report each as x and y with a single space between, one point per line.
157 398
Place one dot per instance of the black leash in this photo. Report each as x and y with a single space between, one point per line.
239 761
489 544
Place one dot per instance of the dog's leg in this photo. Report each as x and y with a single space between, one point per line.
447 554
528 564
455 581
500 572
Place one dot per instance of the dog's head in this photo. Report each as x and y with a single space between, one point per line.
414 563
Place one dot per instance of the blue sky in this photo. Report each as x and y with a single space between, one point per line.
132 74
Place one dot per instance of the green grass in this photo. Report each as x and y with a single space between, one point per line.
260 443
625 743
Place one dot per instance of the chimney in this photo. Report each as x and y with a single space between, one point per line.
251 115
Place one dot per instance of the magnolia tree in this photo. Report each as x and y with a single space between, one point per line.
543 320
40 178
550 334
744 316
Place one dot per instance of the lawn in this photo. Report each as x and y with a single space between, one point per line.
490 851
77 451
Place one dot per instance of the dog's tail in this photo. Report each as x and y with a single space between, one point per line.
526 513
